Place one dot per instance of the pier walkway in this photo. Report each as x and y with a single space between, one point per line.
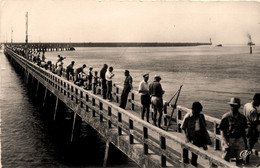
147 145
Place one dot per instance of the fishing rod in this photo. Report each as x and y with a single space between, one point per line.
142 74
179 91
175 104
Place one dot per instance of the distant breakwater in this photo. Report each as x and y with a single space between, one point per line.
115 44
136 44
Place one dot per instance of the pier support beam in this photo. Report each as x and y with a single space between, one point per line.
27 77
37 88
73 126
56 108
45 95
106 154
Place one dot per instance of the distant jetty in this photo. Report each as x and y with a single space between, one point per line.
106 44
134 44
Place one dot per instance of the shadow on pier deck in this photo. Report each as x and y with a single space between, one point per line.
145 144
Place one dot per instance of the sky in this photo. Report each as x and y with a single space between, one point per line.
225 22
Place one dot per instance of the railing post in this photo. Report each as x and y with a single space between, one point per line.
119 119
132 100
93 104
185 155
72 90
163 147
179 117
101 109
87 100
117 92
131 127
165 117
68 88
109 113
145 136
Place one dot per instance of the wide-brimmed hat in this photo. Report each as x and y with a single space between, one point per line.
234 101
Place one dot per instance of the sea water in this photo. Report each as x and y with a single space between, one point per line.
211 75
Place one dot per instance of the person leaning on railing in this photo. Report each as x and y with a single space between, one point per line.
70 70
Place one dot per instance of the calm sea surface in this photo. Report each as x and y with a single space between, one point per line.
211 75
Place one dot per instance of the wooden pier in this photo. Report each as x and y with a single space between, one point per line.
148 146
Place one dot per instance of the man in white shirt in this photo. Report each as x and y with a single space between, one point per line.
109 75
252 116
145 97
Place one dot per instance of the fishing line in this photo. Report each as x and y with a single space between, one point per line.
119 57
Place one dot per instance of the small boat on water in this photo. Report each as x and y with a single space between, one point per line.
219 45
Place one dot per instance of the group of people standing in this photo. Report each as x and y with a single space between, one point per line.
239 131
150 93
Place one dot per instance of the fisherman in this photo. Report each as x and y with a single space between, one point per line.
43 56
156 92
103 78
79 70
145 97
70 70
252 116
109 76
127 88
90 77
194 126
59 67
233 126
95 83
81 81
58 60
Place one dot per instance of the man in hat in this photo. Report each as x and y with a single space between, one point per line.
233 126
70 70
145 97
156 91
252 116
127 88
103 80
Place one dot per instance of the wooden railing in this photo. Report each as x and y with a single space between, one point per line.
115 123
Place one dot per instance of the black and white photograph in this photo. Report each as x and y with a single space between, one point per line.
129 83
